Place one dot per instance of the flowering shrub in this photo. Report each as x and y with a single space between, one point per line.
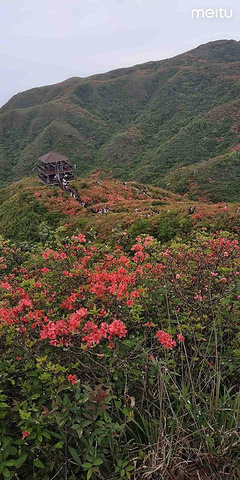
106 351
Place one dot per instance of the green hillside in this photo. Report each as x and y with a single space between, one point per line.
217 179
144 123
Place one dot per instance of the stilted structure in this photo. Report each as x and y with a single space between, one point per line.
53 168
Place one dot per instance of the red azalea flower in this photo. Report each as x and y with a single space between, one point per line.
72 379
45 270
180 338
165 339
148 241
25 434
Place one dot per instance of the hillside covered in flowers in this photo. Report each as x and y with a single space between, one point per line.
119 334
31 212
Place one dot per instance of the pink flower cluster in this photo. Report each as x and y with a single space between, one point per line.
72 379
166 340
95 333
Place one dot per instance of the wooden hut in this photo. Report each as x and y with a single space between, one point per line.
53 167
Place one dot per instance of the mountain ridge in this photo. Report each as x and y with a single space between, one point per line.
201 48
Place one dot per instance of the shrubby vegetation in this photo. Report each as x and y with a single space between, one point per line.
23 218
216 180
120 362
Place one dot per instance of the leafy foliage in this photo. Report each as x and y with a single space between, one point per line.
112 359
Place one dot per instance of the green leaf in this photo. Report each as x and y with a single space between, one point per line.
38 464
89 474
87 465
6 473
184 390
10 463
59 445
86 423
90 458
19 462
97 462
56 435
75 455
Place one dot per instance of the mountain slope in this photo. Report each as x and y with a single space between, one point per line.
217 179
30 212
144 122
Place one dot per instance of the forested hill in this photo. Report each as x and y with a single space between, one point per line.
173 123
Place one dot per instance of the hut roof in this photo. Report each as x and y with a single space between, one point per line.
53 157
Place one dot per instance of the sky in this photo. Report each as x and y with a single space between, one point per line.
43 42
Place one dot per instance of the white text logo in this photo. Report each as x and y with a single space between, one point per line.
212 13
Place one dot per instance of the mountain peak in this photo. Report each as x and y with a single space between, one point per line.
219 51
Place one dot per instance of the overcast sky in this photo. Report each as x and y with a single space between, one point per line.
47 41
